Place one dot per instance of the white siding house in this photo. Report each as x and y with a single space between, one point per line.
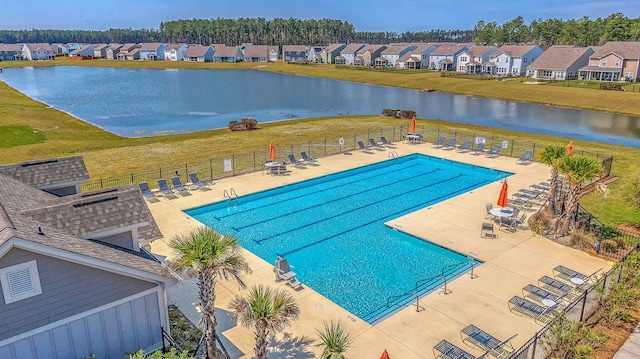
175 52
512 60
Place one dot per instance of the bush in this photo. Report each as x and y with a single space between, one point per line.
609 246
391 112
581 239
540 222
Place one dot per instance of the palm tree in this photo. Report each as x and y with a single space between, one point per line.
576 170
335 340
266 309
207 255
550 156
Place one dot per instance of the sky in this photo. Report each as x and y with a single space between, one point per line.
365 15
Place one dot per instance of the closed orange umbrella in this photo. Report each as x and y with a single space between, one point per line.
502 199
413 125
272 151
385 355
570 148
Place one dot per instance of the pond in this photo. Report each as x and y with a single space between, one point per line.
150 102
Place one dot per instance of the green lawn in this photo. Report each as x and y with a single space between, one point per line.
31 130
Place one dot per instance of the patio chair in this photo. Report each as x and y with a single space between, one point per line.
495 152
526 158
539 313
482 340
295 162
177 185
386 143
283 272
478 150
537 293
195 181
446 350
464 148
488 215
554 285
164 188
439 143
487 230
375 145
146 192
364 148
572 276
309 160
451 145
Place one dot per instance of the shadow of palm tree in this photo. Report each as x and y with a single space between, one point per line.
290 347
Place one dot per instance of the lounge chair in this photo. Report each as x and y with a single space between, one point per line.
451 145
195 181
482 340
555 285
164 188
527 308
309 160
364 148
495 152
295 162
569 274
283 272
526 158
464 148
537 293
386 143
487 230
446 350
146 192
375 145
177 185
478 150
439 143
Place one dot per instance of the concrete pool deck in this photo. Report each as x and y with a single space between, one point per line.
511 261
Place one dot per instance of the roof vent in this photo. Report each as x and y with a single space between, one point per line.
40 232
38 163
78 205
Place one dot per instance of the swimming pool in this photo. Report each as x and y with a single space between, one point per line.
332 229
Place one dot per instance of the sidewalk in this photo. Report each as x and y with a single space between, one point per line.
631 348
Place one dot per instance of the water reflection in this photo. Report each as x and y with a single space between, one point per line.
145 102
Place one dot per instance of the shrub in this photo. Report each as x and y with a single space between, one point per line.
540 222
581 239
609 246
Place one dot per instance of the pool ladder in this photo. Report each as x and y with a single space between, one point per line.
393 154
231 196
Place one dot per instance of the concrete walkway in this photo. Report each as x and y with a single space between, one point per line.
511 261
631 348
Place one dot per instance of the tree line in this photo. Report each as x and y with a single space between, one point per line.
260 31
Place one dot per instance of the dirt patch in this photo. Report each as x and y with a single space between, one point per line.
617 336
630 227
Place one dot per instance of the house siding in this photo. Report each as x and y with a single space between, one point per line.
67 289
124 240
63 191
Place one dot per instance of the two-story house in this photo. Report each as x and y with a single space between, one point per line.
129 52
260 53
199 53
511 60
222 53
39 51
390 55
470 61
294 53
367 55
417 58
614 61
560 63
152 51
348 54
175 52
11 52
328 54
445 57
112 51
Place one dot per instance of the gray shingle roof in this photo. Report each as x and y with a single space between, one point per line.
225 51
294 48
479 50
447 49
560 58
625 49
259 50
196 50
150 46
514 50
48 171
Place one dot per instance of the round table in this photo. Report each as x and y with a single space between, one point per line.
576 280
501 212
549 302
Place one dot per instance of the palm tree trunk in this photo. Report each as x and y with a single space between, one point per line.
207 294
570 209
553 188
261 341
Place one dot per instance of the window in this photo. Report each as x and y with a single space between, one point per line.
524 59
20 281
604 62
617 62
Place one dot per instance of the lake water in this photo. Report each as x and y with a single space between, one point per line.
148 102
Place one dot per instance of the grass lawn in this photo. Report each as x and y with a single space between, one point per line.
31 130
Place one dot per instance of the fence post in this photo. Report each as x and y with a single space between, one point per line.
101 185
512 145
233 164
211 168
584 303
535 344
254 160
131 178
160 172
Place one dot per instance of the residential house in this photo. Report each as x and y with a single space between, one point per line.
367 55
100 51
511 60
152 51
470 61
614 61
445 57
70 47
222 53
57 176
417 58
199 53
39 51
392 54
11 52
58 49
112 51
348 54
74 280
315 54
129 52
85 52
175 52
328 54
560 63
260 53
294 53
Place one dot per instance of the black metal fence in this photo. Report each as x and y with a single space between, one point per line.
216 168
464 75
579 310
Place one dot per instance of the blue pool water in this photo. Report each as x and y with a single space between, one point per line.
332 229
